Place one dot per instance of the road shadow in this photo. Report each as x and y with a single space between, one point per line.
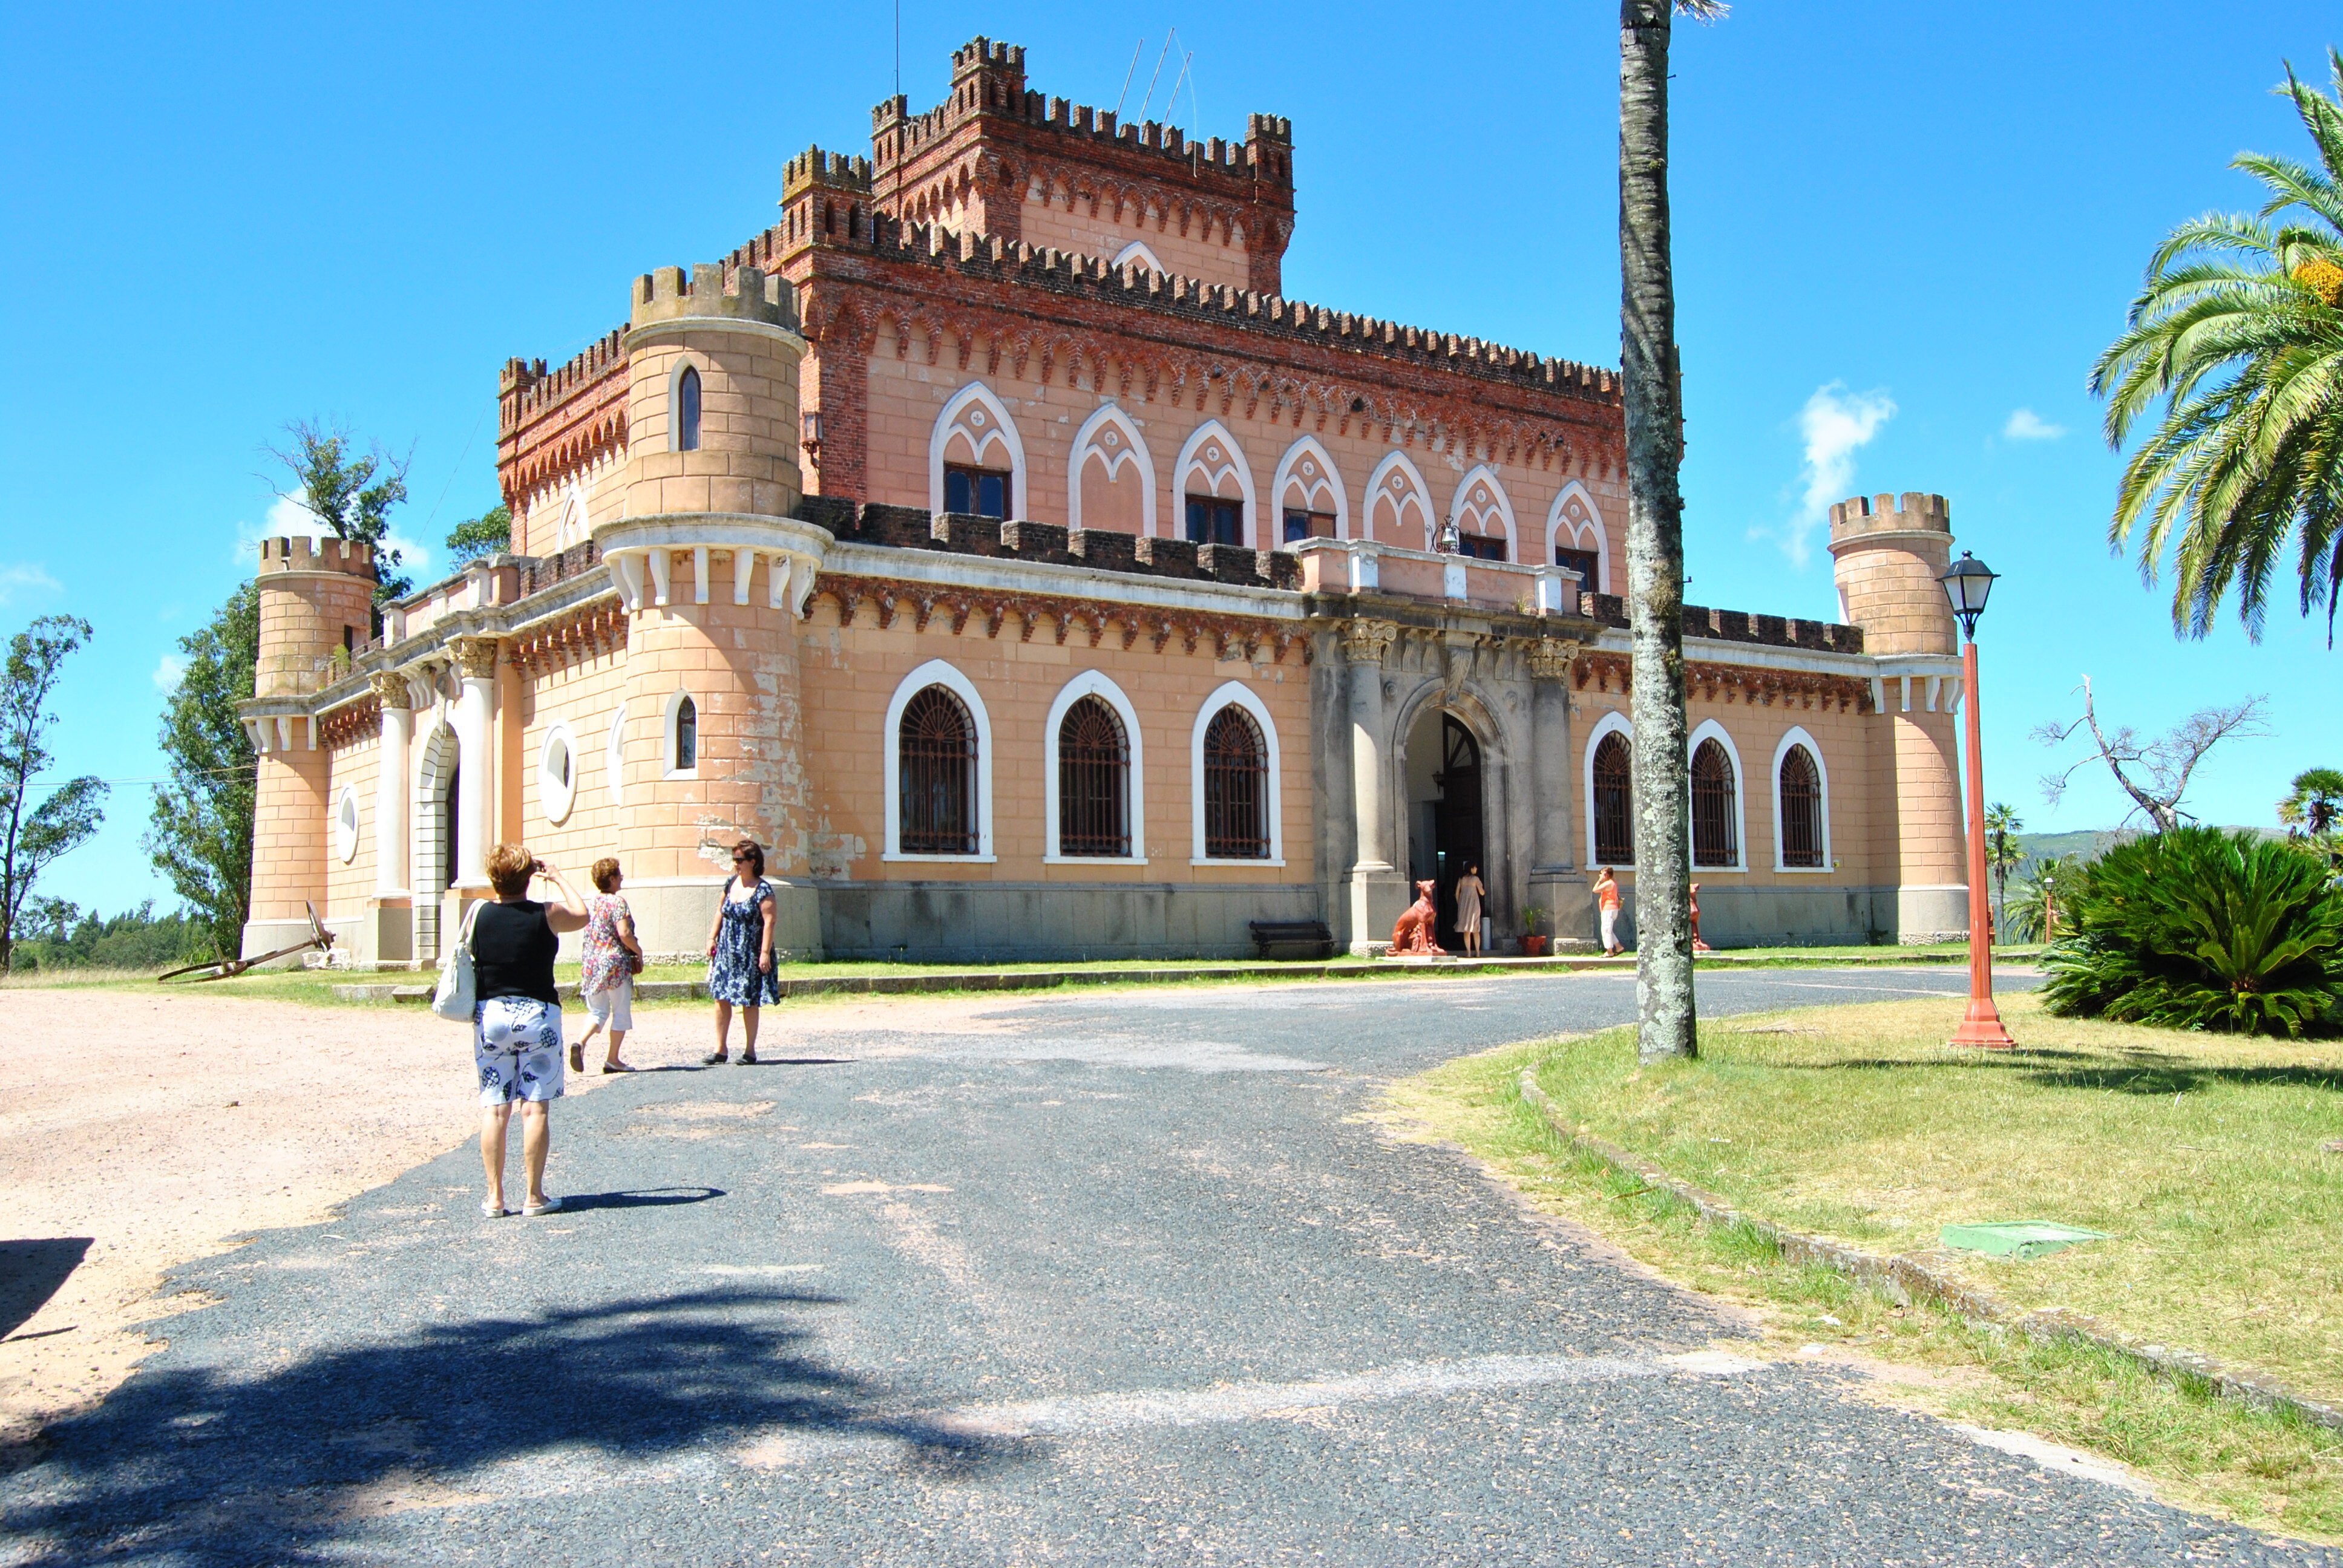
30 1272
209 1467
639 1198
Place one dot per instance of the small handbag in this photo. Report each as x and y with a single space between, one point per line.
457 995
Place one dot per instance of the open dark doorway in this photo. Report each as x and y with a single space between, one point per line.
447 831
1456 820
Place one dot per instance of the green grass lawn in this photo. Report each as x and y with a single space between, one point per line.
2200 1156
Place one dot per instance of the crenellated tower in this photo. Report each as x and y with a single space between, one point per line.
1888 554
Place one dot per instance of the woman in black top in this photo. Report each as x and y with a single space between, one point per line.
516 1018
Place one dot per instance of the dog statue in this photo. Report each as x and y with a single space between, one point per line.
1413 936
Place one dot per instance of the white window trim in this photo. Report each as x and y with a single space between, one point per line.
1109 413
1136 251
554 799
667 769
1555 523
614 757
674 402
937 672
1308 446
1420 498
1091 683
1005 430
347 822
1213 430
1710 730
1487 472
1797 736
1612 722
1242 696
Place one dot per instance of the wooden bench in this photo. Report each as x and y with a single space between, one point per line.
1292 938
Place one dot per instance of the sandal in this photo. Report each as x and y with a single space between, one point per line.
531 1210
747 1058
578 1059
716 1058
608 1066
491 1212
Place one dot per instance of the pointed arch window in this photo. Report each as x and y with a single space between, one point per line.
1614 792
685 739
1714 837
1802 808
686 411
938 754
1093 782
1236 788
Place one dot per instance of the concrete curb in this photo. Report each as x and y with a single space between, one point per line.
1903 1278
1045 980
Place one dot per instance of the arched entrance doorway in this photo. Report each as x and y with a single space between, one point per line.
1444 810
434 817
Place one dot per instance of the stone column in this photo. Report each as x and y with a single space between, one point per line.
1377 890
473 719
391 785
1555 883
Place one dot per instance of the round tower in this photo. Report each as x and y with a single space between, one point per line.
1887 553
715 571
317 599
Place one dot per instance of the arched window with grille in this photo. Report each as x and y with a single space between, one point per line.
1612 796
1094 781
686 411
1716 829
1802 797
1236 788
936 752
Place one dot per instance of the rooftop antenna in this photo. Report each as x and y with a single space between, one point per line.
1127 75
898 48
1159 72
1173 96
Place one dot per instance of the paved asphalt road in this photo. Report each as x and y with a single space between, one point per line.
1091 1279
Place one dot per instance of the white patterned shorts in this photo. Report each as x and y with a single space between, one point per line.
516 1046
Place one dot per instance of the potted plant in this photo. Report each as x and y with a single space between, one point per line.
1532 944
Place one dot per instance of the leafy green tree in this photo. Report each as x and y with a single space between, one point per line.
200 830
2002 852
489 534
2201 928
31 836
349 494
2039 908
1652 392
2238 333
2314 803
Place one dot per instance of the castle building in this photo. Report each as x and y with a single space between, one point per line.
994 541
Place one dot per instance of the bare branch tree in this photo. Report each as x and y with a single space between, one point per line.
2154 773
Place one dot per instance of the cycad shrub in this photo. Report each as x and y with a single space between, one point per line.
2200 928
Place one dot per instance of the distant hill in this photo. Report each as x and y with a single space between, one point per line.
2092 842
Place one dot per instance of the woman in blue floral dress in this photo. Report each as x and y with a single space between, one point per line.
740 952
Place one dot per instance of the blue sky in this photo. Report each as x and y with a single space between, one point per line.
219 219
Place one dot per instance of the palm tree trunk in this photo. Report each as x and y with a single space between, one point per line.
1664 966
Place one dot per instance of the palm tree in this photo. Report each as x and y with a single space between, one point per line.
2238 332
1655 418
2313 802
2042 898
2002 851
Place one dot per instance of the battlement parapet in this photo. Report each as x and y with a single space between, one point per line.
1739 625
915 528
989 78
712 289
1095 278
814 170
525 387
1914 510
300 553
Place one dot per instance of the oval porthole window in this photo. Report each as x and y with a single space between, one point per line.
556 773
346 825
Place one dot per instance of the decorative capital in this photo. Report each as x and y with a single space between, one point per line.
476 656
1551 657
391 690
1366 642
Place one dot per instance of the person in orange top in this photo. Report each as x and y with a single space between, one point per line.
1606 893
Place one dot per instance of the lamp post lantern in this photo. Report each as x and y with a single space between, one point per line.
1967 583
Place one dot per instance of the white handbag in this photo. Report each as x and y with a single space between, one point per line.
457 995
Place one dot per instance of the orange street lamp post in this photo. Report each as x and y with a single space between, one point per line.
1968 582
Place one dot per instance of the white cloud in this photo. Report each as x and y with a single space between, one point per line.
2026 425
1836 423
169 671
25 577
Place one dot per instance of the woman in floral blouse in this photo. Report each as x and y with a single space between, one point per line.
612 956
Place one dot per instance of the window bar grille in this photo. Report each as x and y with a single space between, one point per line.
1713 836
1093 782
1615 822
938 769
1236 788
1802 801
